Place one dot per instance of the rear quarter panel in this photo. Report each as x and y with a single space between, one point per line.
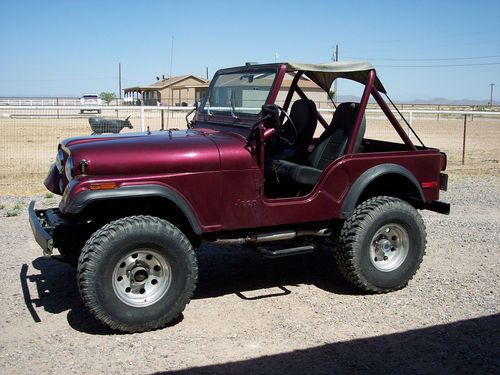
247 207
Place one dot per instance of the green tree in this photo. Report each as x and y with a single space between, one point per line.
107 96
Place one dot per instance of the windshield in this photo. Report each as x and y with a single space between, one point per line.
238 94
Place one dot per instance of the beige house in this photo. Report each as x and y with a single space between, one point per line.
172 91
312 91
188 89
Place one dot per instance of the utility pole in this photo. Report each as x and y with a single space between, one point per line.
491 94
120 81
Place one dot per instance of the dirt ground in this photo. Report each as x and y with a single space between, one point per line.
293 315
254 315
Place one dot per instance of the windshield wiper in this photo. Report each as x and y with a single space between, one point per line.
233 106
207 103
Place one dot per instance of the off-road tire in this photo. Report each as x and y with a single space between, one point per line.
143 246
360 256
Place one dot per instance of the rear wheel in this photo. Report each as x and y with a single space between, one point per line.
137 273
381 245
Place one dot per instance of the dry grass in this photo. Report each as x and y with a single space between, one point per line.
28 144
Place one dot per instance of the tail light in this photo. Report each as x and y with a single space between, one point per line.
444 161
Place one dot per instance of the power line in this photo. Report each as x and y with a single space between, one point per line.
437 66
59 79
396 48
478 36
427 59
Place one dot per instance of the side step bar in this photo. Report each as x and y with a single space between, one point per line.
286 252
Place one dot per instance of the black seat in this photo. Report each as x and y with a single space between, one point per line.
330 146
291 145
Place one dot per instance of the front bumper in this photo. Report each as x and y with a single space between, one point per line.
44 224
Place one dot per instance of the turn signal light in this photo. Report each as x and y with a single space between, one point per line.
103 186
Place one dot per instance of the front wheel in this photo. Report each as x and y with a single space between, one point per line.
381 245
137 273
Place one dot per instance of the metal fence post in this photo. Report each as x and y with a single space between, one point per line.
463 144
142 119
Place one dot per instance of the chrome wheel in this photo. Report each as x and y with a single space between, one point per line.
142 278
389 247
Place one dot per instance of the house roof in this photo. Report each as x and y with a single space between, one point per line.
169 82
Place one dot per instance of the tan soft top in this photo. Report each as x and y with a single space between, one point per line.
324 74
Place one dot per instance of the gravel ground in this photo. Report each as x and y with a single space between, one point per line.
255 315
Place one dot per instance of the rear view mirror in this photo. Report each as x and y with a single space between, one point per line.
271 116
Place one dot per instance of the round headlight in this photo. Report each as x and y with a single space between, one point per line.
60 160
68 169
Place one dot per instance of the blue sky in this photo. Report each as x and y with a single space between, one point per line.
68 47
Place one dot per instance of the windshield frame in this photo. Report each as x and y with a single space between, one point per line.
240 119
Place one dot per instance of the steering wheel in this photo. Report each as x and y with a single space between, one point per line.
292 125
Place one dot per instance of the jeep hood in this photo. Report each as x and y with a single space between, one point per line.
157 152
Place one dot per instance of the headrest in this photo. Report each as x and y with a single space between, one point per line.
345 115
301 111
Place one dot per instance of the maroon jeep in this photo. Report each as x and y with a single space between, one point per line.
135 207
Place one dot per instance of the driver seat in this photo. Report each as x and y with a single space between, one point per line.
330 146
304 116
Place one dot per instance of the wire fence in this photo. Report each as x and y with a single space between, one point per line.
29 135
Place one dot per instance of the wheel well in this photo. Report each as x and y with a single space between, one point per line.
107 210
394 185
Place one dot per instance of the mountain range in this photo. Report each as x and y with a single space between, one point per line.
434 101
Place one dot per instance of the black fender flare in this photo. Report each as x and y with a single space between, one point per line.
368 177
83 199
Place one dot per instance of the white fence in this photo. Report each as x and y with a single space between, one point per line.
63 101
143 113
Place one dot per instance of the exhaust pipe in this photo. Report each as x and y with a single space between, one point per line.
256 238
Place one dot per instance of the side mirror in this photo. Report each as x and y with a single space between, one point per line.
271 114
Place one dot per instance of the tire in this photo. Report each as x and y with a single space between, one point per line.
137 273
381 245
